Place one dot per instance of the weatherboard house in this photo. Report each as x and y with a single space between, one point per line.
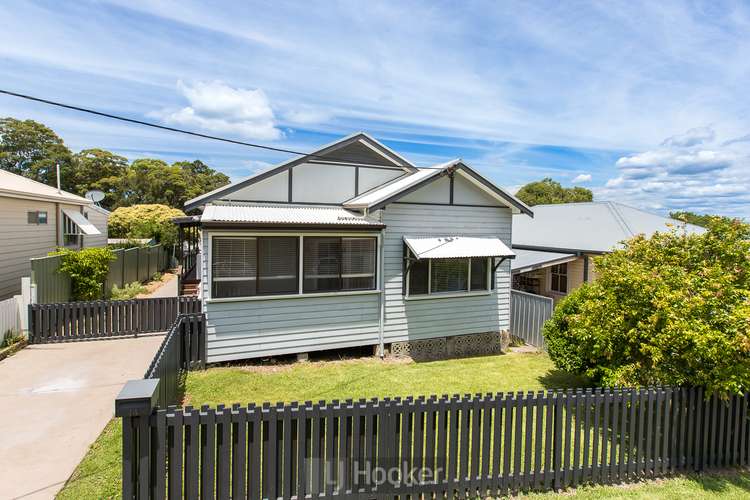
352 245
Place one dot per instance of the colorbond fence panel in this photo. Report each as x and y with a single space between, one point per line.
469 446
134 264
528 312
105 318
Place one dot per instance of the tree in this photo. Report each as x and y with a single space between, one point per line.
548 191
702 220
200 178
99 169
671 309
145 221
151 181
33 150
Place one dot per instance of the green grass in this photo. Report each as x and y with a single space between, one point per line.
371 377
98 475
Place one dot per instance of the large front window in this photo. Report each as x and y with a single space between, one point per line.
445 276
270 265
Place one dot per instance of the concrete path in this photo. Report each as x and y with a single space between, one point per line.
167 289
55 400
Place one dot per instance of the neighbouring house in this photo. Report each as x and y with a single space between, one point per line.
352 245
554 249
37 219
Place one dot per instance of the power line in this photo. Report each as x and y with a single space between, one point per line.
171 129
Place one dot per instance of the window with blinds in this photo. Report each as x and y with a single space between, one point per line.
249 266
334 264
436 276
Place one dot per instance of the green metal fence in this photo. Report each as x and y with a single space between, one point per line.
133 264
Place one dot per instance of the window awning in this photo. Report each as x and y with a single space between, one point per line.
451 247
82 222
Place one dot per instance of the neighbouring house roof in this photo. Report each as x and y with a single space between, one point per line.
529 260
99 209
17 186
326 152
392 191
273 214
448 247
82 222
595 227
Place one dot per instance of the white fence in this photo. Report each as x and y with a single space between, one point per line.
10 316
528 312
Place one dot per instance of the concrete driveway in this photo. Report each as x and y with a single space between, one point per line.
55 400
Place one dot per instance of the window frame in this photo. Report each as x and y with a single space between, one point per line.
75 230
439 295
300 235
37 216
559 275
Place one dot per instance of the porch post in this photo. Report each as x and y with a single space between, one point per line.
585 268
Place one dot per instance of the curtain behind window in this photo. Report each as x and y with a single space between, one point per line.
322 266
449 275
277 265
358 263
234 267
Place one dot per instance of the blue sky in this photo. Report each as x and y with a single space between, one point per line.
645 103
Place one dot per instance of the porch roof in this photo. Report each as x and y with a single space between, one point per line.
448 247
284 215
528 260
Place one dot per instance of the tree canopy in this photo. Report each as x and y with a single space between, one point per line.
547 192
31 149
671 309
145 221
702 220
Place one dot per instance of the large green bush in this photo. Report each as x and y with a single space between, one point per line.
670 309
145 221
88 269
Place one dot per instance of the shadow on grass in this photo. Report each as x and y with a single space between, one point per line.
721 481
559 379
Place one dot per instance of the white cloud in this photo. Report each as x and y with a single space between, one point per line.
684 174
581 178
217 107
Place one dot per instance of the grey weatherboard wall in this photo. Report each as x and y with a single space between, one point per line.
270 327
439 317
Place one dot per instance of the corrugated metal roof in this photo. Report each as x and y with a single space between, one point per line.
447 247
81 221
284 214
594 226
526 260
22 187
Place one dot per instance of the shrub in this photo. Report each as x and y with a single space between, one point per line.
88 269
129 291
10 338
145 221
673 309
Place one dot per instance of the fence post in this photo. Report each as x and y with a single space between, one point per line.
134 405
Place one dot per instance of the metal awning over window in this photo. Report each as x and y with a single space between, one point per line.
82 222
452 247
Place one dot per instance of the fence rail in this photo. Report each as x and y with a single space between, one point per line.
493 444
528 312
105 318
133 264
183 349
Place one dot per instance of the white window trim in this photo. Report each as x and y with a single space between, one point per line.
448 295
300 285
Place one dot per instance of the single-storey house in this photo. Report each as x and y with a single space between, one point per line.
353 245
37 219
554 249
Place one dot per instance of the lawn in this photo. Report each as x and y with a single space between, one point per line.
98 475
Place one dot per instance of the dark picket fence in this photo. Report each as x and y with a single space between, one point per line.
97 319
481 445
183 349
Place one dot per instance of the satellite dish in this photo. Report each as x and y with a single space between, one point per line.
94 195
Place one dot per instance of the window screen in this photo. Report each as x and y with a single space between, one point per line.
479 273
358 263
244 267
333 264
449 275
